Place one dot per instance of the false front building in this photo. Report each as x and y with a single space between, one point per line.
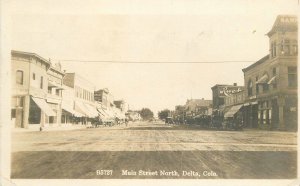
271 83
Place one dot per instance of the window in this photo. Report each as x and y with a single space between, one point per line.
265 87
33 76
57 92
274 49
295 50
250 85
49 90
13 113
292 76
41 84
19 77
274 71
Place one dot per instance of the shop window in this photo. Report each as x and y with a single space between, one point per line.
250 87
19 77
292 76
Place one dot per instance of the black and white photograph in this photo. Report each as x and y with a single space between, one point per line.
196 92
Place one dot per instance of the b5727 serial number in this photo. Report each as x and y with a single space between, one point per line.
104 172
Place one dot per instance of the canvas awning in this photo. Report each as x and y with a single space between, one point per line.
92 112
44 106
263 79
232 111
102 113
69 108
272 80
79 107
50 84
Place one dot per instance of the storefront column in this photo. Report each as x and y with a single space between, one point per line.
58 115
26 106
43 117
281 103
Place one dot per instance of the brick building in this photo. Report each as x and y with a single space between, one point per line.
29 79
83 95
271 83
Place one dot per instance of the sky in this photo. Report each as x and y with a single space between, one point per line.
78 32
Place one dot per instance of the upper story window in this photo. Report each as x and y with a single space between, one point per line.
42 82
19 77
250 88
292 77
57 92
273 49
33 76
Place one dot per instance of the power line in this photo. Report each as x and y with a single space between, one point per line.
151 62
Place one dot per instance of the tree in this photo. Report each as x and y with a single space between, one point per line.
146 114
164 114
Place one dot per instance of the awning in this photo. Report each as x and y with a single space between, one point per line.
50 84
44 106
92 110
272 80
102 113
70 109
232 111
263 79
250 103
79 107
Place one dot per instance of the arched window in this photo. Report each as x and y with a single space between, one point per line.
19 77
250 88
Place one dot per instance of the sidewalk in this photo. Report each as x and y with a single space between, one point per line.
33 128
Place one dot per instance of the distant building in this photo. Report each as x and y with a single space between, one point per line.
271 82
233 105
194 107
221 91
105 97
122 105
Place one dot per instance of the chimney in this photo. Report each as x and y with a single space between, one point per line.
234 84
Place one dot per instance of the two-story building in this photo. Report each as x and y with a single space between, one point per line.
29 78
271 83
55 89
195 107
219 93
83 93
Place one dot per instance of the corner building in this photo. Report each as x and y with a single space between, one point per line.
271 83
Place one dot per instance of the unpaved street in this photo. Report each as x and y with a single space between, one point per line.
153 150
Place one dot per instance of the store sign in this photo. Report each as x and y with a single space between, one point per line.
226 91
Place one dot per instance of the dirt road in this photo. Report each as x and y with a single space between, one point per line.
154 150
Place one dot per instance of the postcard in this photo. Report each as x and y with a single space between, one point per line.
149 92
